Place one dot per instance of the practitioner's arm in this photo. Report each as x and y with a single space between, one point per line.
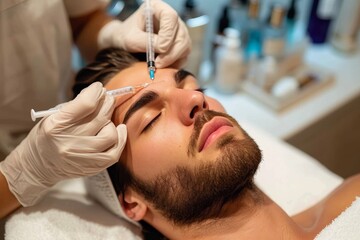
8 201
79 140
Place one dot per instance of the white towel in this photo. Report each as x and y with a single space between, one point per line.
68 215
345 227
57 225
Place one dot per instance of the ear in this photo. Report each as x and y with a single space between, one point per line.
134 207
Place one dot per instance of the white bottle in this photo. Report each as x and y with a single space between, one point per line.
229 63
346 26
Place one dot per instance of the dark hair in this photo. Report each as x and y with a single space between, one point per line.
108 62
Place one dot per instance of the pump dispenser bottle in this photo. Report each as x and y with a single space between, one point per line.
229 63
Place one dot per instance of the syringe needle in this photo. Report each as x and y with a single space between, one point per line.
140 87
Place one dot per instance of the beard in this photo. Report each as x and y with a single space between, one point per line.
188 195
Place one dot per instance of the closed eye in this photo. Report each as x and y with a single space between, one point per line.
151 123
202 90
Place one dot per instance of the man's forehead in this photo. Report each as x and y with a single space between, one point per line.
135 75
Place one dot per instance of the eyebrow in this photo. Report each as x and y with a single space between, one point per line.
145 99
151 96
181 75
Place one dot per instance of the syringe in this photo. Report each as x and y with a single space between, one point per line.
116 92
150 55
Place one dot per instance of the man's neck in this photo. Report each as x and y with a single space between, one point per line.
263 220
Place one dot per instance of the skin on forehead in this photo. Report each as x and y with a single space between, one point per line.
138 74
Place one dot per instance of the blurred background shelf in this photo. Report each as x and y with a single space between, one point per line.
325 124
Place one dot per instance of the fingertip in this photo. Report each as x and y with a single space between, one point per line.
122 128
94 87
122 131
97 84
94 92
161 61
108 106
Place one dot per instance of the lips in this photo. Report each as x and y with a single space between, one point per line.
212 130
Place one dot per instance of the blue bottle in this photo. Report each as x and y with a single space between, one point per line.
291 18
253 36
321 14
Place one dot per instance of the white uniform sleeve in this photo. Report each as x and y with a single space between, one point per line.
76 8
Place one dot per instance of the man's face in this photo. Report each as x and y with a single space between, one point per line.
161 129
175 145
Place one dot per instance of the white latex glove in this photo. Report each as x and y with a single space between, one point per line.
172 41
79 140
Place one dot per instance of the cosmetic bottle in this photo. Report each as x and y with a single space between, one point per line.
252 31
237 14
122 9
296 40
274 33
196 23
291 20
346 26
321 14
229 63
223 23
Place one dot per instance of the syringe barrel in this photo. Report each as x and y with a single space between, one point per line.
150 56
121 91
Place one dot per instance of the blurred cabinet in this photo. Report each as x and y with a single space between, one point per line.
334 140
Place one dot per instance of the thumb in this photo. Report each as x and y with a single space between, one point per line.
122 136
83 105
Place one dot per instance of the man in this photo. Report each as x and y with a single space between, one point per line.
187 168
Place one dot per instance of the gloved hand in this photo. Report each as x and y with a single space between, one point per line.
172 41
79 140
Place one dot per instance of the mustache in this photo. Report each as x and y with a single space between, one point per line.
199 123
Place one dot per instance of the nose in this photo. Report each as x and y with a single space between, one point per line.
189 104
